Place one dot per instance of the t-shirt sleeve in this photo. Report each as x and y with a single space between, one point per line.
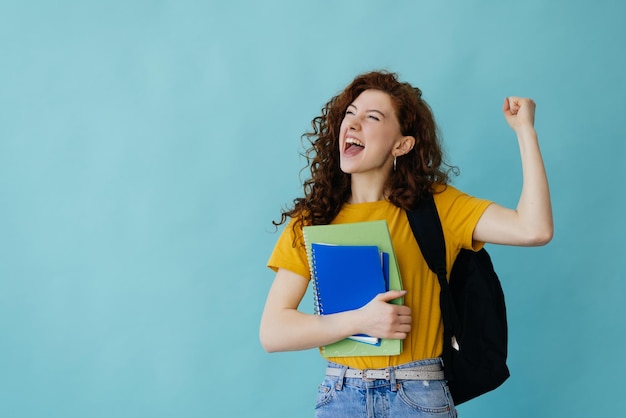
289 252
459 213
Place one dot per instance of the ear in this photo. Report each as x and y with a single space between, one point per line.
404 145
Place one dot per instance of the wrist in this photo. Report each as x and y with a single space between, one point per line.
354 322
525 130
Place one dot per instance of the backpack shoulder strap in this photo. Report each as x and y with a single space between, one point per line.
426 226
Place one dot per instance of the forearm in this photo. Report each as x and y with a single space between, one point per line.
290 330
284 328
534 207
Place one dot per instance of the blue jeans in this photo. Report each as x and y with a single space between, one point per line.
353 397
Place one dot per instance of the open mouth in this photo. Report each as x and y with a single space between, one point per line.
353 146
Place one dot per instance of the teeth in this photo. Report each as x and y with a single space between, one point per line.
354 141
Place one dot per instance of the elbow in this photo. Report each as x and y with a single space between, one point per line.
540 237
268 342
267 345
547 237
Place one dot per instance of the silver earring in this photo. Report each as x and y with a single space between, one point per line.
395 157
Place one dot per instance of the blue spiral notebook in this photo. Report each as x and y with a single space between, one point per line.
347 277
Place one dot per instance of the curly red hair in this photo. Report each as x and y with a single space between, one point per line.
416 173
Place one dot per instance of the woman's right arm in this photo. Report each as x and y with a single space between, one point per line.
284 328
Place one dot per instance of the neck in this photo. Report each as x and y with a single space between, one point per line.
366 189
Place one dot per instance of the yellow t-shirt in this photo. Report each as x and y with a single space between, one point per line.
459 214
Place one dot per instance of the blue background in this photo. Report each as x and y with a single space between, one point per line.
146 146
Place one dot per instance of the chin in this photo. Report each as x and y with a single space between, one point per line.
347 170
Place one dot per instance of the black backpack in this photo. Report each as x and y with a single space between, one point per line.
472 307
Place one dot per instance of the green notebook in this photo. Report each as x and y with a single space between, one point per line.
359 233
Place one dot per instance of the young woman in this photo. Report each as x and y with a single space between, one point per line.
374 154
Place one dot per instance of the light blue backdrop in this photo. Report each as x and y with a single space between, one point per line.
145 147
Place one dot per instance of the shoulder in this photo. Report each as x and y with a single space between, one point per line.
289 251
446 195
459 212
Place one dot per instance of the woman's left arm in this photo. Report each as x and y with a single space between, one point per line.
531 223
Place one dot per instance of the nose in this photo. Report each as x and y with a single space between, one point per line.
354 124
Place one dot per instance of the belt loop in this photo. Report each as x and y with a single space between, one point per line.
341 378
392 379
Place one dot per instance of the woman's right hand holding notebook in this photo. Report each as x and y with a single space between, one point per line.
382 319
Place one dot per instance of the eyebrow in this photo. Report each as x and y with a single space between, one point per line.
369 110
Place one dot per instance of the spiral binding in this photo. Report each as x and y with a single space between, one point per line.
318 307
